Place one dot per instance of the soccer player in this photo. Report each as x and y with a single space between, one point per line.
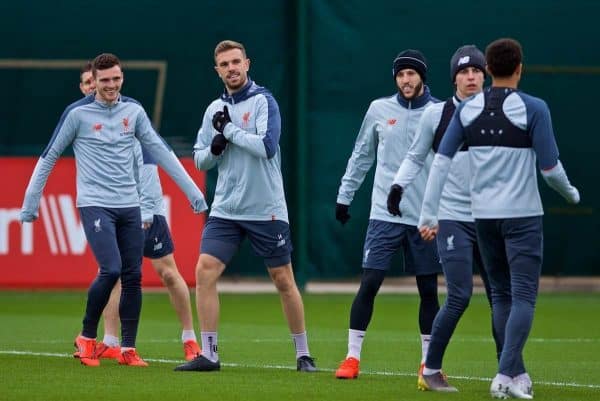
386 133
158 247
240 135
456 240
506 132
87 85
104 129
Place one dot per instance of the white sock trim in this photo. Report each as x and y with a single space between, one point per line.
110 341
187 335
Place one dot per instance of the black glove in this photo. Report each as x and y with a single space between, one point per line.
393 200
341 213
221 119
217 146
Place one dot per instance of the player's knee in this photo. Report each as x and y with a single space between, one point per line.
167 276
283 278
285 285
370 282
110 275
459 302
427 286
131 279
208 269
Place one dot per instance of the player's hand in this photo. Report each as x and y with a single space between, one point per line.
27 217
341 213
147 219
574 197
221 119
393 200
428 233
218 143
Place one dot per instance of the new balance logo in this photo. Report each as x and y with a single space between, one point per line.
281 240
464 60
158 246
97 227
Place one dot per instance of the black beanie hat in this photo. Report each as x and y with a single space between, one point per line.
411 59
466 56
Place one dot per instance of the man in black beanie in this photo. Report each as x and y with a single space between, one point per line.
456 239
385 135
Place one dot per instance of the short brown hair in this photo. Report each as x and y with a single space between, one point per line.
86 67
225 45
503 56
105 61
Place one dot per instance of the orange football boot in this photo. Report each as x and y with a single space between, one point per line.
191 349
349 369
131 358
86 351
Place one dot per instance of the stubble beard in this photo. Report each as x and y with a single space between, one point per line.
416 92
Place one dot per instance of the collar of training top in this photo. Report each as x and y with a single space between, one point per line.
417 102
240 95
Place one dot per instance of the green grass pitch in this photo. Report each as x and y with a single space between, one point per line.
37 331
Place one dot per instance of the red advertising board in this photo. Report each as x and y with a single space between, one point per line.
52 252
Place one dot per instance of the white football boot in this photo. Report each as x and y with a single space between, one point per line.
521 387
499 387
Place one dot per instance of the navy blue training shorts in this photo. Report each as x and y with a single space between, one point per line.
270 239
158 242
384 239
